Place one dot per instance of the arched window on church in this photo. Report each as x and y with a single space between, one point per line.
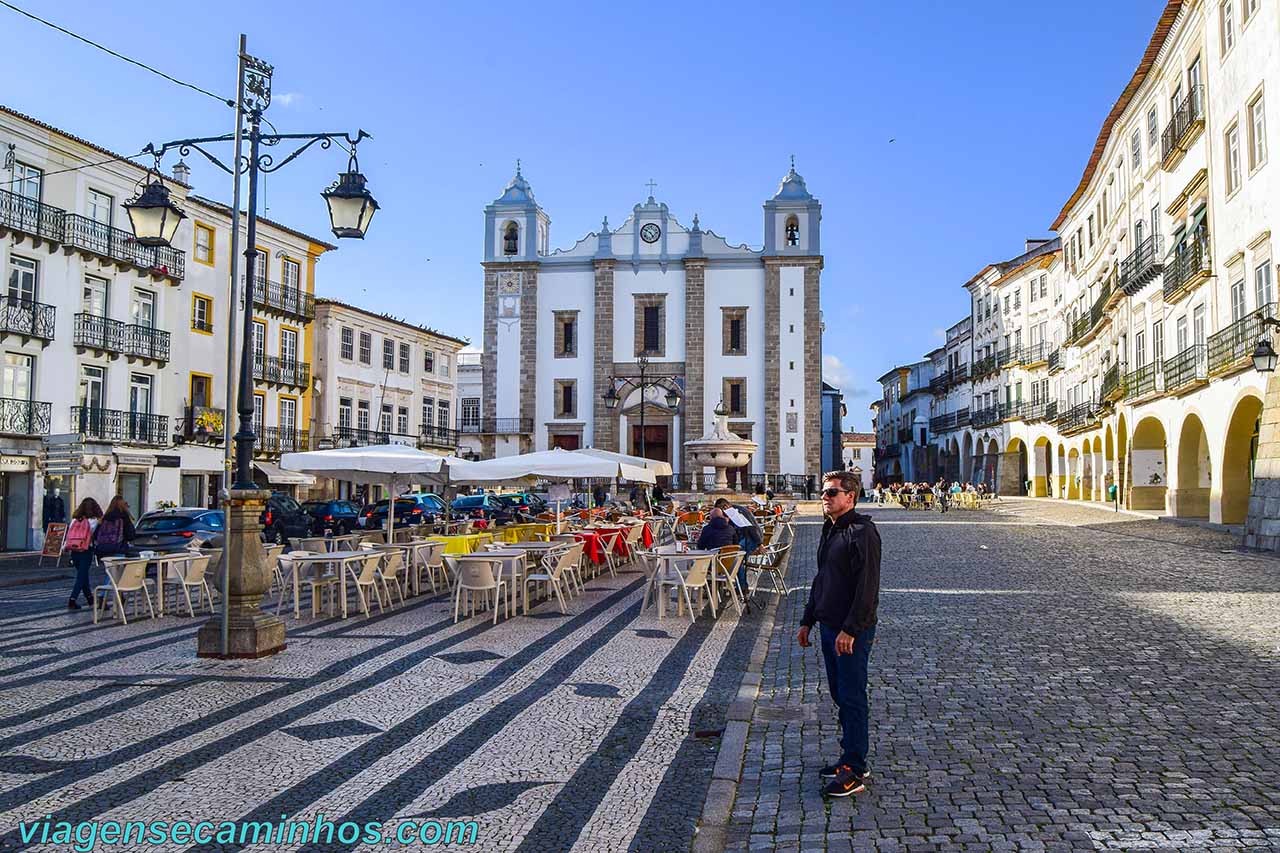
511 239
793 231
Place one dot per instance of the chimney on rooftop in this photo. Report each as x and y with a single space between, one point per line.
1036 242
182 172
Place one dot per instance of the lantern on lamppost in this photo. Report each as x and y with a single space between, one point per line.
351 205
153 215
1264 357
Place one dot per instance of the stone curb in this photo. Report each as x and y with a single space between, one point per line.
8 584
723 791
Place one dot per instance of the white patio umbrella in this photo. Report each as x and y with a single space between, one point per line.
395 466
657 466
555 464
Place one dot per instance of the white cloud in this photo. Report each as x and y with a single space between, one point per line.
288 99
940 334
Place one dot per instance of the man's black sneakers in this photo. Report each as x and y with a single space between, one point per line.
833 770
845 784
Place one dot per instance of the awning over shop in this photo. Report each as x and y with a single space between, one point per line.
280 477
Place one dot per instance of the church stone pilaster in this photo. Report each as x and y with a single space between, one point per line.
772 366
604 423
813 367
529 354
694 422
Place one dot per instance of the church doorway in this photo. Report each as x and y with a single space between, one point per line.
570 441
657 438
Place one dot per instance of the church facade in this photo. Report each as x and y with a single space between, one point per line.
568 332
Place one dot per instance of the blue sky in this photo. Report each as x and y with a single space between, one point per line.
938 135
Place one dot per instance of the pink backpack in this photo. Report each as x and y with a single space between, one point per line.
79 536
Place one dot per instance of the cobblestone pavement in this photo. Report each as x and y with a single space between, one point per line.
1045 677
553 732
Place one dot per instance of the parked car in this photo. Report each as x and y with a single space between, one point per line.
523 503
284 519
412 508
483 506
332 516
167 530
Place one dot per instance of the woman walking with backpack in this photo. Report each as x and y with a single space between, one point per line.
116 529
79 543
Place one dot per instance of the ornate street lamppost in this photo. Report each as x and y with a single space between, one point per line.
243 630
642 382
1264 356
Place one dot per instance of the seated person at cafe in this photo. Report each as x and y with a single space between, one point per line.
717 532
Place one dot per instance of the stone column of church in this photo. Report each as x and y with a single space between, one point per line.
604 422
529 353
772 438
1262 523
694 422
812 368
489 362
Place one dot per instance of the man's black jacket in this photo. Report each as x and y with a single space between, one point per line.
846 590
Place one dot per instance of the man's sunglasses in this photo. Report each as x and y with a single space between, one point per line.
831 493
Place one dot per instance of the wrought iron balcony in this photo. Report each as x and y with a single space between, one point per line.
1189 266
118 245
1034 355
890 451
988 416
1113 384
1055 361
1008 356
26 319
437 436
1145 382
1080 417
33 218
349 436
278 371
1232 348
1036 410
949 378
1187 118
496 426
283 299
1051 410
984 367
146 343
904 436
203 424
93 331
1144 263
1187 370
1088 326
24 417
272 441
1078 329
121 427
942 423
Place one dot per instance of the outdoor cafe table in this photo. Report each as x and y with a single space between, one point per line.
669 562
513 565
512 532
406 550
462 543
591 543
174 565
620 546
341 558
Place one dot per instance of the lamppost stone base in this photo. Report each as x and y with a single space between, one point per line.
251 633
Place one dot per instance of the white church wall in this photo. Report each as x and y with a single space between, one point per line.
564 290
730 287
791 385
626 284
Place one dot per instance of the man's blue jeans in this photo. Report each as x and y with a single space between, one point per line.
847 679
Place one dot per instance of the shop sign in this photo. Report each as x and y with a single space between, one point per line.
168 461
136 459
15 463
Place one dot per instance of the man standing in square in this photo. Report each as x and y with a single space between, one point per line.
842 601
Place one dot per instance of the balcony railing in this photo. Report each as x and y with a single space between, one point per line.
496 426
1187 117
1051 410
1033 354
949 378
988 416
1232 348
116 244
1189 266
203 423
1078 329
963 419
1055 361
1079 417
285 299
26 318
1143 264
279 371
904 436
28 216
1035 410
24 417
942 423
890 451
349 436
984 366
272 441
118 426
146 342
437 436
1146 381
1187 369
97 332
1113 384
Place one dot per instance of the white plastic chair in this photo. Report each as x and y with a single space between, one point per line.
724 573
391 575
193 577
124 577
551 571
366 578
478 575
696 575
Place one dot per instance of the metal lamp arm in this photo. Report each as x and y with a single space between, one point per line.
265 162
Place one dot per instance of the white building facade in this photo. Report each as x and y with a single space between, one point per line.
714 321
382 380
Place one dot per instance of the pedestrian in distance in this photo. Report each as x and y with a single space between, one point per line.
842 603
79 544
